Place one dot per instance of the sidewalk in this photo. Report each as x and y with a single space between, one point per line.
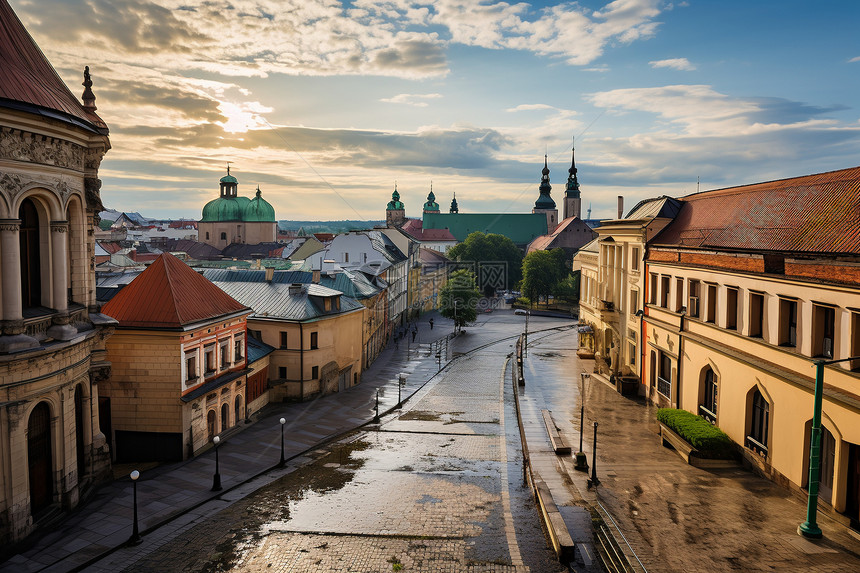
104 522
676 517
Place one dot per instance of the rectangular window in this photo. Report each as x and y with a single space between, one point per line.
314 342
282 372
209 356
631 347
679 294
346 257
238 347
756 315
664 378
315 372
634 259
708 409
664 291
224 351
693 299
757 438
732 308
327 304
634 300
823 321
283 339
653 296
191 365
787 322
711 315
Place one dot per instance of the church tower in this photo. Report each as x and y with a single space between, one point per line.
431 206
572 200
395 213
454 207
545 204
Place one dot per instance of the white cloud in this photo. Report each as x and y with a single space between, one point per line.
852 60
530 107
681 64
416 100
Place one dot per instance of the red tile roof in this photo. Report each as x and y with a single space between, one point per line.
811 214
415 229
27 77
543 242
169 294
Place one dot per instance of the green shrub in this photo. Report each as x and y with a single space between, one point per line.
709 441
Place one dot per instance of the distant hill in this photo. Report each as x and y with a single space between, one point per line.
328 226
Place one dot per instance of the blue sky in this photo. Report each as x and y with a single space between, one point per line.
327 104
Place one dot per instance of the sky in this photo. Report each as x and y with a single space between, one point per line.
327 105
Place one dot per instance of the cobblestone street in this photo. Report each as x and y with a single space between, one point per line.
434 487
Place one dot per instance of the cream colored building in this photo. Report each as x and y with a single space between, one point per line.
232 218
746 290
52 337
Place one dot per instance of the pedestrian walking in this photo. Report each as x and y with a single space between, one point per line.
431 324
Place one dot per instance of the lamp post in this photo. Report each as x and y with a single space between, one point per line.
581 458
135 532
283 460
216 479
594 481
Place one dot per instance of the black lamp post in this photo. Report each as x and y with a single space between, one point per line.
216 479
283 461
594 481
581 458
135 532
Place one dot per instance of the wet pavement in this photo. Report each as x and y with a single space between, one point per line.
436 486
676 517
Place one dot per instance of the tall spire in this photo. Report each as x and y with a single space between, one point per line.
454 207
545 201
572 189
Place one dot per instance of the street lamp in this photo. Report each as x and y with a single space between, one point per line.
216 479
135 533
581 458
283 461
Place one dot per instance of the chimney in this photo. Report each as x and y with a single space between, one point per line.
316 277
295 289
620 206
270 274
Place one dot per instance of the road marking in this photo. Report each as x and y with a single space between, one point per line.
510 531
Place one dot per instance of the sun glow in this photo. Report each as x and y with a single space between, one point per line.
242 117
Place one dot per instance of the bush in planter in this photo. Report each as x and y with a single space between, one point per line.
709 441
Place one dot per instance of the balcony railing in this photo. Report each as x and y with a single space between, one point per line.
664 387
707 414
756 446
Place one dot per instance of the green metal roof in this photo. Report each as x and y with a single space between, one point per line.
259 210
521 228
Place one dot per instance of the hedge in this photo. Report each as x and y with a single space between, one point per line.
709 441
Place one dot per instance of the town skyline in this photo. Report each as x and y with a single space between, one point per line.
326 105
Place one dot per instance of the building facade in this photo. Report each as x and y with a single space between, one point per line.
52 336
234 219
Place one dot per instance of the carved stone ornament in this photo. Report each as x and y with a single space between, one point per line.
13 225
91 192
59 226
93 158
11 184
24 146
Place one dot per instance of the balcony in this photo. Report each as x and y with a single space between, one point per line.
607 310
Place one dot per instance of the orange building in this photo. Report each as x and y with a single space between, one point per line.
179 364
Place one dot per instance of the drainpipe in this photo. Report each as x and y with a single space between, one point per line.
680 356
301 363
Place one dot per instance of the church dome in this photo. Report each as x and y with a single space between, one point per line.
431 204
395 204
258 210
222 209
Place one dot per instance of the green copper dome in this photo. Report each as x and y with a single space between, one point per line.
395 203
259 210
544 201
222 209
431 204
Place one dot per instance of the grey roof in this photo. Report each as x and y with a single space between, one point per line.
663 206
274 300
116 278
386 246
257 349
352 284
257 276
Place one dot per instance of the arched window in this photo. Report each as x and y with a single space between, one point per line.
223 236
239 415
207 235
79 431
210 424
39 458
759 421
225 416
31 274
708 405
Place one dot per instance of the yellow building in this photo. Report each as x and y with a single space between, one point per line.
180 363
316 331
52 359
746 290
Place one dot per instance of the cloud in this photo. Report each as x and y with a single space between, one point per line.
531 107
681 64
416 100
852 60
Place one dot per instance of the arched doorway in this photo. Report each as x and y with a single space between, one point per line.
39 458
225 416
238 409
79 431
210 424
31 274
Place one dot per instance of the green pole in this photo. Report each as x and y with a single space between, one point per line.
809 528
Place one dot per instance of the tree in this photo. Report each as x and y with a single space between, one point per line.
497 260
459 298
542 271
